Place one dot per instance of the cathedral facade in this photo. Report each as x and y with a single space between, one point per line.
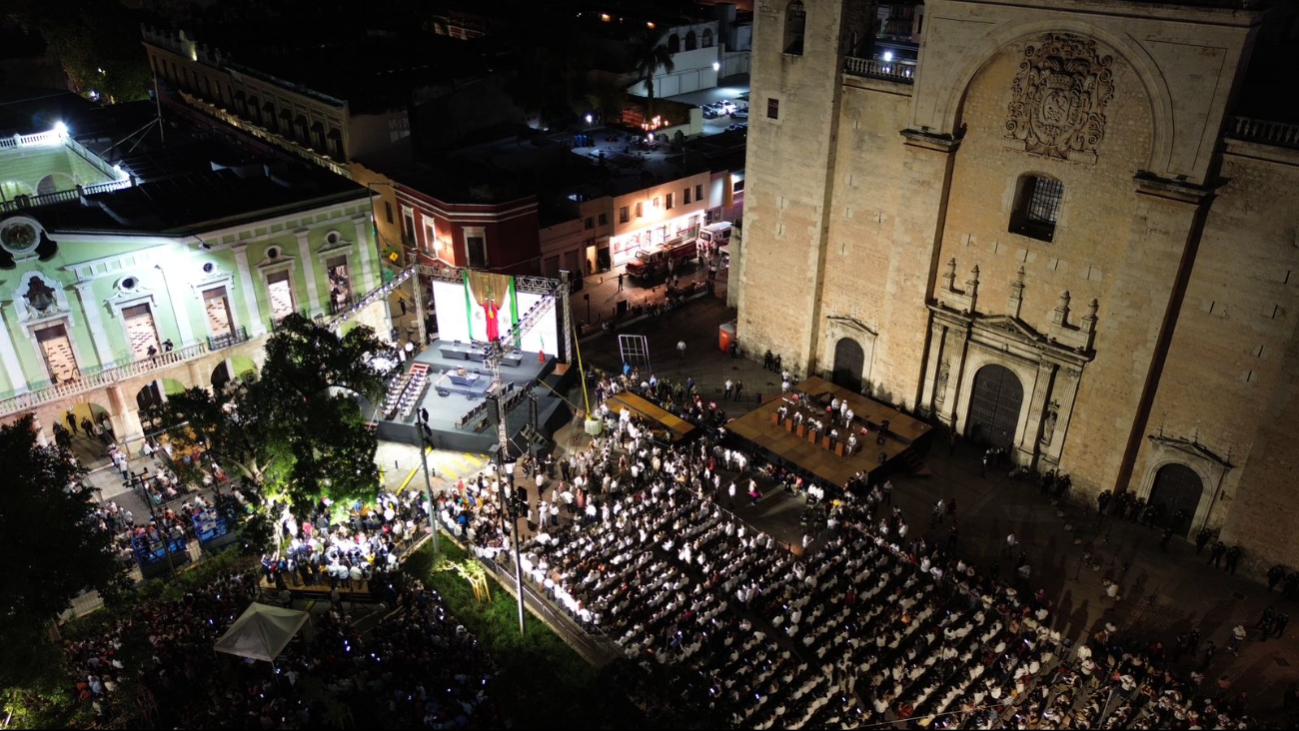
1057 233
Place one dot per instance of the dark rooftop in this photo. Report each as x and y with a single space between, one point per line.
194 181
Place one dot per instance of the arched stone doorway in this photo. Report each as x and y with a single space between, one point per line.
849 361
1177 489
994 406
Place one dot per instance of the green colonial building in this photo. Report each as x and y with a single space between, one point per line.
136 265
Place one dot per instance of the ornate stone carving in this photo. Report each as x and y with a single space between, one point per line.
1048 422
940 386
1058 99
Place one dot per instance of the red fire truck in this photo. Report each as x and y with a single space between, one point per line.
652 263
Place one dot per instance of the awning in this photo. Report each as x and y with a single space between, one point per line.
261 632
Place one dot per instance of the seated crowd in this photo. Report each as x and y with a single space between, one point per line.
416 668
866 628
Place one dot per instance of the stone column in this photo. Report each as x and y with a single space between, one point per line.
9 356
1064 393
931 400
179 308
95 323
197 378
367 250
39 429
1154 270
124 417
256 326
309 270
1029 433
927 164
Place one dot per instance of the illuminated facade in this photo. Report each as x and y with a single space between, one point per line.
114 294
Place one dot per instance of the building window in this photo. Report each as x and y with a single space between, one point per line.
687 196
674 43
624 215
430 237
387 210
476 248
699 192
590 223
795 22
1037 207
692 41
640 210
668 203
737 186
773 109
408 227
604 219
708 37
657 202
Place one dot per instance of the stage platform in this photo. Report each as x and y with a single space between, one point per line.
759 428
460 417
662 421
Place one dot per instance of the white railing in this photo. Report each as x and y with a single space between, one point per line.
106 377
890 70
63 196
264 134
1258 130
40 138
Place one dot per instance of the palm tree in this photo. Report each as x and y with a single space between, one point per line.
646 53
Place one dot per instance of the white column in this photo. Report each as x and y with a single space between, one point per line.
309 268
362 225
179 310
95 323
9 356
256 326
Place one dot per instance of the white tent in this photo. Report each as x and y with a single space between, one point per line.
261 632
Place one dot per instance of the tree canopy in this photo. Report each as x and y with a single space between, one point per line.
54 548
646 54
297 432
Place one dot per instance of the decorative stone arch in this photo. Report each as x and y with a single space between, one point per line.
706 38
674 43
838 328
949 98
692 40
1211 468
980 357
55 182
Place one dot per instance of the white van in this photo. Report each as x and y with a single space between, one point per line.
713 237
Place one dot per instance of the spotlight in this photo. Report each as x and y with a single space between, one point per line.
60 129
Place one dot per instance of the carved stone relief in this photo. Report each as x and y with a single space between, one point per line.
1058 99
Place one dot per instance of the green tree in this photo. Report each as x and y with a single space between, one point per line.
646 54
53 548
98 44
296 434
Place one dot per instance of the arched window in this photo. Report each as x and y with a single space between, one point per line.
1037 207
692 41
708 38
674 43
795 22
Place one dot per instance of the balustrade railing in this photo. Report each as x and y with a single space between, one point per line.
275 138
889 70
1268 133
90 381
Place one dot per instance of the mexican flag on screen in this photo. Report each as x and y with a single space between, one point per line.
491 305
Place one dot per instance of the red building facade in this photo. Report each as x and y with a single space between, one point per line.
502 237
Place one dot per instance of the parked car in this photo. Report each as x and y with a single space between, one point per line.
740 114
727 105
709 112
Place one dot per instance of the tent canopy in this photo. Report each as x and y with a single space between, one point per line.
261 632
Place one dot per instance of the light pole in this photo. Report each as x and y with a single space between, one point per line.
506 503
426 442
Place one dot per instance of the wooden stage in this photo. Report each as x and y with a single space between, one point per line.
662 421
760 429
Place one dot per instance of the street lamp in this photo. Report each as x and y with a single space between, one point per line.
425 443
